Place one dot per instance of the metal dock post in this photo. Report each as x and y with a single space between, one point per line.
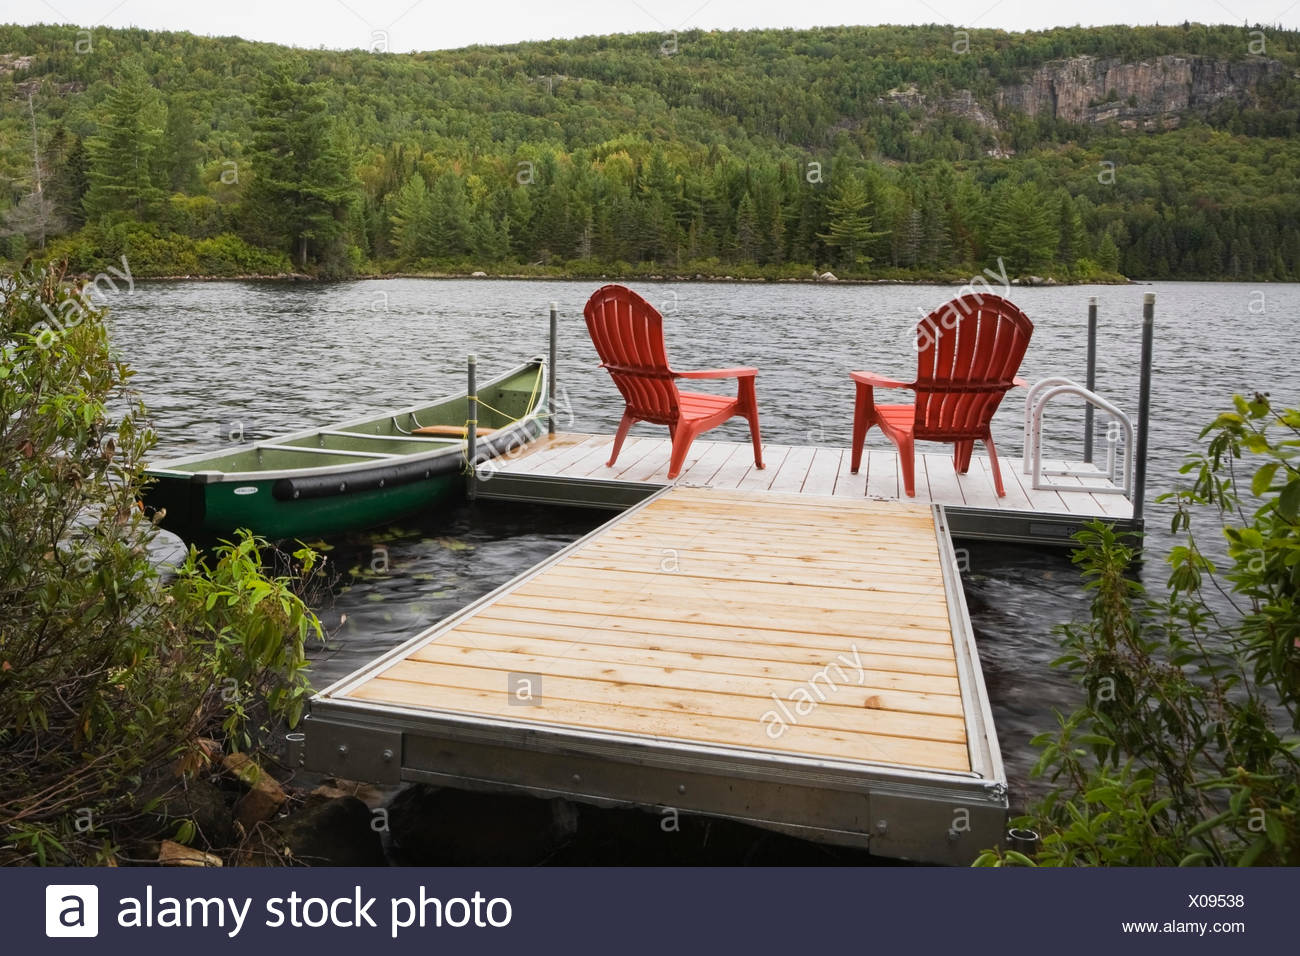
471 427
550 371
1144 407
1092 378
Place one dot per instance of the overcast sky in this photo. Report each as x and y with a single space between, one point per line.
403 25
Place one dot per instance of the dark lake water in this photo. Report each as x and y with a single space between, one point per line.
270 357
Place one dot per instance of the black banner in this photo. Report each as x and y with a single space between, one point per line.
659 911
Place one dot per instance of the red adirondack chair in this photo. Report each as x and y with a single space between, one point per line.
629 337
968 353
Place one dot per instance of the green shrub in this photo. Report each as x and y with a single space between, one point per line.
1185 750
195 217
106 674
229 255
252 630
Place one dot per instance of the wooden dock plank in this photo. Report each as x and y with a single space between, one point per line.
845 699
564 457
885 478
707 619
588 464
750 576
741 732
828 535
941 479
736 468
793 471
720 644
862 514
823 471
760 479
643 551
527 458
634 457
532 649
701 471
847 484
654 466
780 601
1015 499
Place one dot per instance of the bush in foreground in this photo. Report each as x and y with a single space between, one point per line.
1185 750
108 677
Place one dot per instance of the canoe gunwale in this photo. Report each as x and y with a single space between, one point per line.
489 446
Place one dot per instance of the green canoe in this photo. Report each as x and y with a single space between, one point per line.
353 475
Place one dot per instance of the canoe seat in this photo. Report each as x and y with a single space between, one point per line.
457 431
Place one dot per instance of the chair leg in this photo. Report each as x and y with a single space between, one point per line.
682 441
621 434
861 422
961 452
907 458
748 406
997 469
757 439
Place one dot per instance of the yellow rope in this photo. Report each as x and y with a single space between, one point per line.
537 384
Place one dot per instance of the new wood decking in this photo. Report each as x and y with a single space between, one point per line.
798 662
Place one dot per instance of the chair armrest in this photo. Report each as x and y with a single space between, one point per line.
871 378
742 372
1019 382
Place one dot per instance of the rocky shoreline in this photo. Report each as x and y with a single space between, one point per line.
825 278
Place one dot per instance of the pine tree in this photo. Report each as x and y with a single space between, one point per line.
907 238
122 153
1070 246
449 228
746 230
489 236
180 152
1023 232
411 219
774 233
850 232
936 242
68 186
302 184
36 215
1108 253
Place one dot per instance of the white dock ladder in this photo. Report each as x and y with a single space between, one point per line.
1036 401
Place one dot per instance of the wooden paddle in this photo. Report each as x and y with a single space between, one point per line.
457 431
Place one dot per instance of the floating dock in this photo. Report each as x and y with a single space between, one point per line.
570 469
799 662
788 647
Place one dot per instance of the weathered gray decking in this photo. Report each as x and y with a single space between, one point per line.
570 468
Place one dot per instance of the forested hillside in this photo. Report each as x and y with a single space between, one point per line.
1163 152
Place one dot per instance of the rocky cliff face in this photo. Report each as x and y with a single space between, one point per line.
1087 89
961 103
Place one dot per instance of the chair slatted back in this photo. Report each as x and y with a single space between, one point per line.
969 351
628 333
